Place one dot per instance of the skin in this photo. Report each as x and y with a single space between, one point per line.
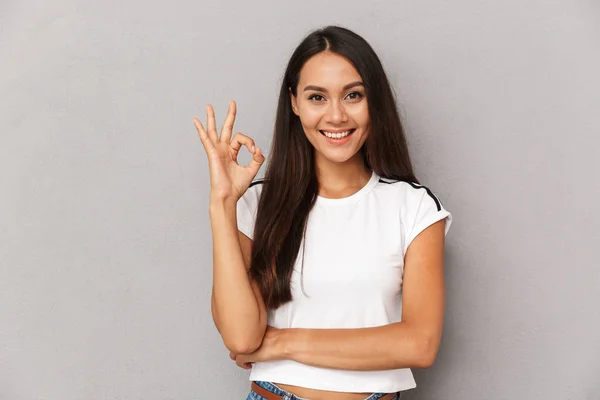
340 169
411 343
241 319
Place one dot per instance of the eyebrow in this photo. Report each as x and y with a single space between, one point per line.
320 89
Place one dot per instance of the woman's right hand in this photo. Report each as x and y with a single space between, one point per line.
228 179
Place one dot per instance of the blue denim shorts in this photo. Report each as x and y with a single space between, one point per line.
288 396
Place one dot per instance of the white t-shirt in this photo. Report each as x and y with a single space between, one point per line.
353 269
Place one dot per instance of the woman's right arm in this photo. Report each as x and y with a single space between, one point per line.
237 306
238 309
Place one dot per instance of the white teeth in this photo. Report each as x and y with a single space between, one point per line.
336 135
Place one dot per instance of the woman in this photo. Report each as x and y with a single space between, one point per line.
328 274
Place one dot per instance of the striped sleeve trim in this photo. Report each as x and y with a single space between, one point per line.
417 186
256 182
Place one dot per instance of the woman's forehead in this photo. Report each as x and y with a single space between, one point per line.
329 70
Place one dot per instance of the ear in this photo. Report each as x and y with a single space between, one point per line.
293 102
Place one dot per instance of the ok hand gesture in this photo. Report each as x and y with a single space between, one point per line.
228 179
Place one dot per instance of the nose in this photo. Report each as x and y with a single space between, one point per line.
336 113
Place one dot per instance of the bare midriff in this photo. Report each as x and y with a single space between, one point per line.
314 394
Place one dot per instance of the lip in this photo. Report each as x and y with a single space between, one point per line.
337 130
339 142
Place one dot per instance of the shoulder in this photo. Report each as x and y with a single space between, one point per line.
409 193
255 188
419 206
257 182
247 208
251 197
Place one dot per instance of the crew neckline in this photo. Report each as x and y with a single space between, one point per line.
353 197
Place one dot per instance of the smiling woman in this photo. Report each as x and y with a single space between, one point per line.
333 112
336 257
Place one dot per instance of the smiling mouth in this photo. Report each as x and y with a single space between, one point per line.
341 135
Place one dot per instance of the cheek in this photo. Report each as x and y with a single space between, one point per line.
310 119
365 118
361 116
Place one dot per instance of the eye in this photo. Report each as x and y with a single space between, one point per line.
316 97
355 96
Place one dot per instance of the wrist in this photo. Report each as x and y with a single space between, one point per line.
218 204
290 341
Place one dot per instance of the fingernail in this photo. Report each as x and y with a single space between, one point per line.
253 149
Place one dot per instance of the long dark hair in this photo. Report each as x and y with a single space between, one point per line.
290 183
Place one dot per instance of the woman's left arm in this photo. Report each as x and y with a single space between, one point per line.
411 343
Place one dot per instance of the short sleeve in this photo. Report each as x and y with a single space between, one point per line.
246 209
425 210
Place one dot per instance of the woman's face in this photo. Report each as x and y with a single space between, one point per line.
332 107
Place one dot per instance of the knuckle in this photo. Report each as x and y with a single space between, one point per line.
240 137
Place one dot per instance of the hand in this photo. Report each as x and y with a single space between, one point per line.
228 179
241 364
274 347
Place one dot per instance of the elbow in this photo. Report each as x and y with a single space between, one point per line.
426 361
239 338
244 343
428 349
241 345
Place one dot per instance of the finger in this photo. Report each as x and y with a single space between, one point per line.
229 121
257 160
240 140
232 355
245 365
211 124
208 145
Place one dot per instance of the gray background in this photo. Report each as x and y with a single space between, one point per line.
105 243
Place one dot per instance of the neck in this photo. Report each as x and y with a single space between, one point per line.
337 180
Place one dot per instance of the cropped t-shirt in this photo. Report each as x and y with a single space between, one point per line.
352 275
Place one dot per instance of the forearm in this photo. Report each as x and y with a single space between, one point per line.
235 308
393 346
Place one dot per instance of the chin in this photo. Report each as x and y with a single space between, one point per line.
339 157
